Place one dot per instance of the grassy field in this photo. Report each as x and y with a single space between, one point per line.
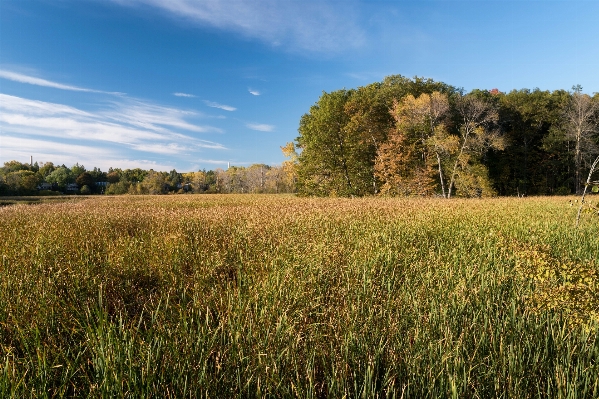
45 199
277 296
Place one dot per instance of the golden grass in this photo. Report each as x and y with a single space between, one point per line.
260 295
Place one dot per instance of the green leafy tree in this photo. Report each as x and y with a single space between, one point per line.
174 179
77 169
15 166
525 167
3 186
155 183
133 175
22 182
118 188
98 175
326 162
85 179
61 176
369 121
113 177
210 181
45 169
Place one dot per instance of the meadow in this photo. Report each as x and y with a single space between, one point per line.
277 296
45 199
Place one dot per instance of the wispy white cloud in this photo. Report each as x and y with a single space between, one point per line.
17 77
154 117
321 26
131 125
12 104
41 149
172 148
20 148
220 106
260 127
254 92
183 95
168 149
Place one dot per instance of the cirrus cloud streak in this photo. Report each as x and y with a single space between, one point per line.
132 125
18 77
261 127
183 95
69 154
317 26
220 106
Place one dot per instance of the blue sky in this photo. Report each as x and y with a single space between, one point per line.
193 84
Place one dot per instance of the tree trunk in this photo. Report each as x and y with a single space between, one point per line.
441 174
577 161
455 166
585 190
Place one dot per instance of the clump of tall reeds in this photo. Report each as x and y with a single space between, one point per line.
265 296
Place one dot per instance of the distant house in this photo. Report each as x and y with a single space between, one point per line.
45 186
102 184
72 187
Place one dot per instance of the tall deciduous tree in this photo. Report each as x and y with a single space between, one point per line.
61 176
289 168
525 117
113 177
45 169
97 175
255 178
581 126
85 179
328 151
77 169
197 180
401 169
22 181
405 162
154 183
477 118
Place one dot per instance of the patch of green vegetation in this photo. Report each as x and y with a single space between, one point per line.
41 199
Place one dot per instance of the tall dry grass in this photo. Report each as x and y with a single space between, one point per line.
277 296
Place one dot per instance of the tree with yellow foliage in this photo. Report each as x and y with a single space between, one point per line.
289 166
405 162
422 142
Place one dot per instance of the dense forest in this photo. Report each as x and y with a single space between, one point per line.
419 137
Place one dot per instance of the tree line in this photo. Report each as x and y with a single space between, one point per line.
18 178
419 137
401 136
